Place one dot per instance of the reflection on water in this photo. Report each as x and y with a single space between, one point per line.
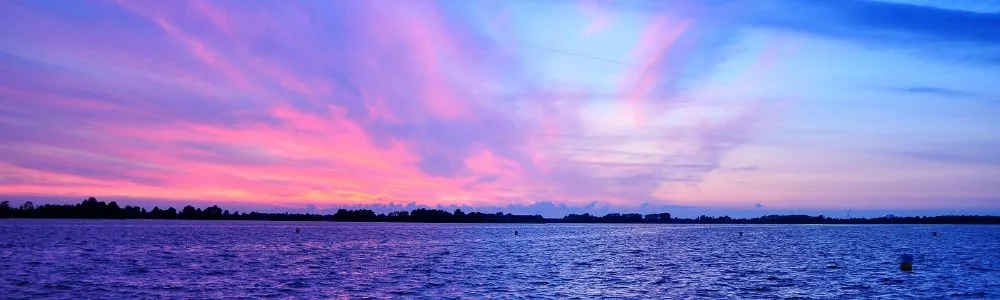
173 259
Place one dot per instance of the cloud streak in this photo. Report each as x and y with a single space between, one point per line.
972 36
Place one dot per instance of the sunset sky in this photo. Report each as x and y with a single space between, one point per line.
549 107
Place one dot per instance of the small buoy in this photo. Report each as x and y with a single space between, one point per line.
934 233
741 233
832 266
515 232
906 262
297 230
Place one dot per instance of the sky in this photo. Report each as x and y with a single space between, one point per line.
552 107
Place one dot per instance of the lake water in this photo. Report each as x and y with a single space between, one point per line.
222 259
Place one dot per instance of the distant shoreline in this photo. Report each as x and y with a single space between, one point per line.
548 221
91 209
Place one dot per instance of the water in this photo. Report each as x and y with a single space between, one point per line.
221 259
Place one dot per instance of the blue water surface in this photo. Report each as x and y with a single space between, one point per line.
119 259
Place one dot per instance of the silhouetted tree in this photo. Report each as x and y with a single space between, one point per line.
664 217
5 209
113 211
190 213
213 212
361 215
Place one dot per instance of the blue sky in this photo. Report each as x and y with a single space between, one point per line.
698 107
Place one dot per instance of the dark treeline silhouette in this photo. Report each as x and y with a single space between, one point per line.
617 218
805 219
773 219
423 215
91 208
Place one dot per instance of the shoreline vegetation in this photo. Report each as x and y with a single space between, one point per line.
91 208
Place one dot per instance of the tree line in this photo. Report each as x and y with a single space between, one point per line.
91 208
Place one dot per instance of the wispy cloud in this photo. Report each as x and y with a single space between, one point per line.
925 90
945 92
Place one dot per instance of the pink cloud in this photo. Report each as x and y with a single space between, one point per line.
601 15
656 40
